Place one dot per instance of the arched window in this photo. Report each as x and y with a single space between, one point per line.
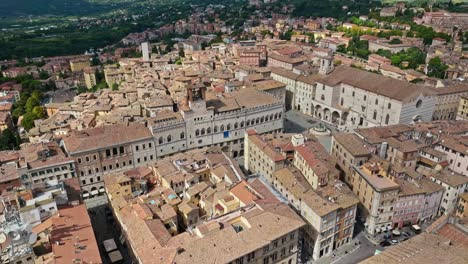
248 122
276 116
279 115
322 97
228 126
389 105
242 124
418 103
271 117
160 140
342 102
236 125
169 138
182 135
202 131
222 128
257 120
262 119
266 118
197 132
375 115
387 119
215 129
208 130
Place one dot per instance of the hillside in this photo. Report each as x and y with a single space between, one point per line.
62 7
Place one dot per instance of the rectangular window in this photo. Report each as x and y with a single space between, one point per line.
121 149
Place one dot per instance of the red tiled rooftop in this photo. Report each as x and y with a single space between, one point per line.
456 236
72 237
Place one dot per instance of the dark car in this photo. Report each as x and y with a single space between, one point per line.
385 243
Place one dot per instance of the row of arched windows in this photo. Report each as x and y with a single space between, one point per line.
222 128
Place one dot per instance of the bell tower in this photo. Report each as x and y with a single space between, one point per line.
326 65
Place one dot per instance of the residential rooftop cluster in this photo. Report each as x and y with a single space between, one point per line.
188 146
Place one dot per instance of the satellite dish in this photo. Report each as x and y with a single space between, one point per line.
32 238
14 235
3 238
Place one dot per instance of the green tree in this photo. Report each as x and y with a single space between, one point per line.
181 53
9 140
39 112
31 103
436 68
44 75
81 89
341 48
28 120
115 87
395 41
37 95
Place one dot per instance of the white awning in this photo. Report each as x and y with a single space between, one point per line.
94 192
102 190
85 195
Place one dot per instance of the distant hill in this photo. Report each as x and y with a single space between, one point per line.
14 8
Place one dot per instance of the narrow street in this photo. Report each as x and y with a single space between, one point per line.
105 228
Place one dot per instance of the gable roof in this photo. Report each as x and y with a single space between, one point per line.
375 83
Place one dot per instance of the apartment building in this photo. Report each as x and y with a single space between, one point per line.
351 98
44 162
286 62
455 148
447 101
462 112
9 164
454 185
350 151
78 65
377 194
403 153
418 201
300 89
90 77
462 207
103 150
302 171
